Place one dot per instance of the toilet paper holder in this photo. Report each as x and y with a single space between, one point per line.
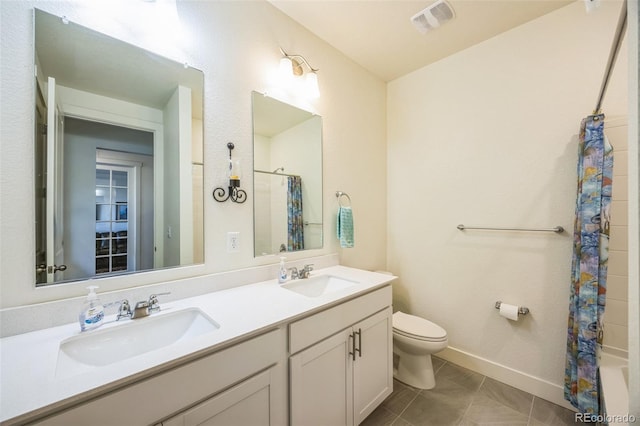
521 309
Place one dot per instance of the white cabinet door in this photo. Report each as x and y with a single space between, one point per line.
247 403
321 384
373 367
342 379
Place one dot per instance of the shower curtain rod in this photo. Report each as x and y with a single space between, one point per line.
613 54
275 173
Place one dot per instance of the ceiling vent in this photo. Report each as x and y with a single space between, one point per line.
433 16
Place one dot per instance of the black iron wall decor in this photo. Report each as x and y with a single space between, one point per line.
234 192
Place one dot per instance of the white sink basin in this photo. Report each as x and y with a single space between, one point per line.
318 285
135 337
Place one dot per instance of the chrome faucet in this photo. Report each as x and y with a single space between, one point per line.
141 310
305 271
145 308
301 273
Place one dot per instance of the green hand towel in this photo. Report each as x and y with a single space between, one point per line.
345 227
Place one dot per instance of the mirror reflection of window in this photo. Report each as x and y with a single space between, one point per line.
115 198
112 220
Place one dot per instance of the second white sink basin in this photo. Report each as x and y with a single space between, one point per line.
318 285
110 345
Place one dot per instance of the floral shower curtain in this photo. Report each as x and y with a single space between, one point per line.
589 266
294 214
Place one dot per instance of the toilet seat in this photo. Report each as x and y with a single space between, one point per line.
417 328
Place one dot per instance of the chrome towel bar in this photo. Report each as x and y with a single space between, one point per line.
557 229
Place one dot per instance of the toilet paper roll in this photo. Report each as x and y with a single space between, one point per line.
509 311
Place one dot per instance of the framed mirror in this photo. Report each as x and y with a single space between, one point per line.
118 156
287 177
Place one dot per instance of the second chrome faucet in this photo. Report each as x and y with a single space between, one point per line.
305 272
142 309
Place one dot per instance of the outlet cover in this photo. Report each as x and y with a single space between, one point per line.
233 242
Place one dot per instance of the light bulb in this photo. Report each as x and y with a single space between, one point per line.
286 68
311 81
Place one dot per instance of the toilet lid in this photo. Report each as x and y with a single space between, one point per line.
416 326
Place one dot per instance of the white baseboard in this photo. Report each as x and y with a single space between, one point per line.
620 353
523 381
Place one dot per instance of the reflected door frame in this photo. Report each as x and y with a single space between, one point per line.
40 186
86 106
54 182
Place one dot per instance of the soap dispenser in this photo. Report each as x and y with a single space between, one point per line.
92 314
282 272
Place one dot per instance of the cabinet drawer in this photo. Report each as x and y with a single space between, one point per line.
312 329
145 402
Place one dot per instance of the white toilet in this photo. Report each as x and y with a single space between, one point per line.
414 340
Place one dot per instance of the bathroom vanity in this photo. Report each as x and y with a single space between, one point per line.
341 362
319 351
244 384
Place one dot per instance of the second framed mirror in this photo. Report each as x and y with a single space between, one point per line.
287 156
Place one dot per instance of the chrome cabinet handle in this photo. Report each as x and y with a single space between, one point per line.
352 337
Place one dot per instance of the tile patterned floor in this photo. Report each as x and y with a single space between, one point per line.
464 397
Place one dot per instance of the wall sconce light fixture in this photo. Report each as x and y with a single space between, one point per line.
235 194
292 66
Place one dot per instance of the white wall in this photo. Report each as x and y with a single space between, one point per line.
178 181
616 318
262 192
197 171
488 137
236 45
634 210
186 169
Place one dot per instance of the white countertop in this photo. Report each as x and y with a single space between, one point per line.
29 384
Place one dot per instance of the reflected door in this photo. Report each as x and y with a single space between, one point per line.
40 186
